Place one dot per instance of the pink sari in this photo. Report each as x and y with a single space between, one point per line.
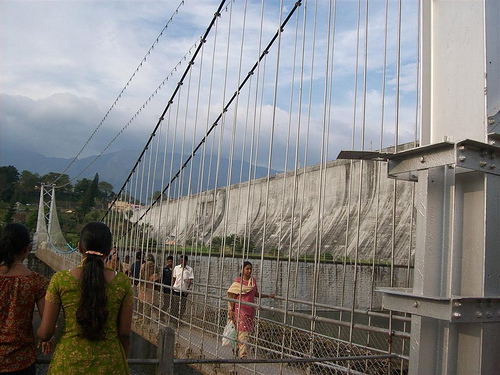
244 314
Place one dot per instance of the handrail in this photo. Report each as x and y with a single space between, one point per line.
166 362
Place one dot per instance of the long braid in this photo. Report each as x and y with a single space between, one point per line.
92 312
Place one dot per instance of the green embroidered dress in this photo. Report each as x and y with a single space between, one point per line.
77 355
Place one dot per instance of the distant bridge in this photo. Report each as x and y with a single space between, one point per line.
393 253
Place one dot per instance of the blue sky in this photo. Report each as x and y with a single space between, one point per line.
64 63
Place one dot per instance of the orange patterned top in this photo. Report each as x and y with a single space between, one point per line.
18 295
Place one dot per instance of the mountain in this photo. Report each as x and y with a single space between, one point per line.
115 167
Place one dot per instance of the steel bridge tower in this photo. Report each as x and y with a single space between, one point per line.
455 302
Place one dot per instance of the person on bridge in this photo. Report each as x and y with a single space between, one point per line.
20 290
97 304
148 295
135 268
182 278
244 288
166 280
114 261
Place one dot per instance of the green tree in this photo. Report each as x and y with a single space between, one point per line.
9 214
94 190
89 196
28 188
31 221
62 182
81 187
82 193
9 176
105 191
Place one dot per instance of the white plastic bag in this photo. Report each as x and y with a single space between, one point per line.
229 334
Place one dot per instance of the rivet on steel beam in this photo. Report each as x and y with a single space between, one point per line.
457 315
422 159
491 120
462 158
458 303
492 166
488 314
483 163
485 152
479 314
415 304
462 148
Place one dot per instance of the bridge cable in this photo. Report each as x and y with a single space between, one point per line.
118 98
170 102
219 117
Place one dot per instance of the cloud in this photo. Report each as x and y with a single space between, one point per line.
59 123
65 63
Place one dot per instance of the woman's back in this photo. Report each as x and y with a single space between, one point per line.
18 295
97 305
74 352
20 290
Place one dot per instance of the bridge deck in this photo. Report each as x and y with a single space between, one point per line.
193 342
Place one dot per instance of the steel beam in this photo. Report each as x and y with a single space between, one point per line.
456 255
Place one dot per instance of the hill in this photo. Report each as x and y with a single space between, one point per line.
115 167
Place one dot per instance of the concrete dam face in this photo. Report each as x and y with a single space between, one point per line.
334 210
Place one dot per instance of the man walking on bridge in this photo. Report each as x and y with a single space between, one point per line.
182 277
166 280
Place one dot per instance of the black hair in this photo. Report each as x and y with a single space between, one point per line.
185 257
170 257
245 263
15 237
92 313
138 255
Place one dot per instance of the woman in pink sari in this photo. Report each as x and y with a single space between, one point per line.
244 289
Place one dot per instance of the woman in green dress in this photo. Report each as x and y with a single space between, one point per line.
97 303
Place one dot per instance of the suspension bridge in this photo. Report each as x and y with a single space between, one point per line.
350 151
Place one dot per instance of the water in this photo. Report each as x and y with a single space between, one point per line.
139 347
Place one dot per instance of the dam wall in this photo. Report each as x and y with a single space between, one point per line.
316 210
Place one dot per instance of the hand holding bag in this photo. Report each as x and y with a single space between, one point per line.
229 334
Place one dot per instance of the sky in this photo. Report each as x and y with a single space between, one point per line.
64 66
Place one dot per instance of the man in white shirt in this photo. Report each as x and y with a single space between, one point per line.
182 278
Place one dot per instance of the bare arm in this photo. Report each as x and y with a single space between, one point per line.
272 295
47 346
40 304
49 319
231 306
124 327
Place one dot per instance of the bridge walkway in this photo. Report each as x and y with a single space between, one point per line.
194 343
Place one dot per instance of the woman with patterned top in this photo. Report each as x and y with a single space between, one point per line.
20 290
244 289
97 304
